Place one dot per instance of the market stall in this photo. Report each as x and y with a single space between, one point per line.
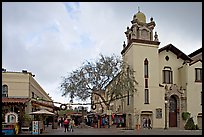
38 126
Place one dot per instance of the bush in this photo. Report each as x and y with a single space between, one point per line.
186 115
190 124
196 127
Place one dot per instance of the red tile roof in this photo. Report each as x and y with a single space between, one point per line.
15 100
176 51
44 104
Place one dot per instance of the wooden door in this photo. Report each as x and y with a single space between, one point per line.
172 112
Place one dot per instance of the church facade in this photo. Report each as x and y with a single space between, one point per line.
169 81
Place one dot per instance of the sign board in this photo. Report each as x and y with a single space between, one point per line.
35 127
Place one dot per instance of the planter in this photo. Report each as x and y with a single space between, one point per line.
113 126
137 126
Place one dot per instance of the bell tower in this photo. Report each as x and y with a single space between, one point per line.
140 29
141 53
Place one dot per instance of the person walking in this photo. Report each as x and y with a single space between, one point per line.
144 122
71 125
62 122
47 122
66 125
149 124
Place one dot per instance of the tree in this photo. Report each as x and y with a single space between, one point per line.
105 72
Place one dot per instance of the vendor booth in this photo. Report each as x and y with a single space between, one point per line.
38 125
10 126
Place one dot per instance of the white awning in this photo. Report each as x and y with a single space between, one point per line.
42 111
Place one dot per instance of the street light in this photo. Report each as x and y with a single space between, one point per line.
165 113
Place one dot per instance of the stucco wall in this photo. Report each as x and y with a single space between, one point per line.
173 62
194 92
18 84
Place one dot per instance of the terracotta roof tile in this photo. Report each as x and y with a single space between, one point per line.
44 104
15 100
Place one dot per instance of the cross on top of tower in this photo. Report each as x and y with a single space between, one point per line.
138 9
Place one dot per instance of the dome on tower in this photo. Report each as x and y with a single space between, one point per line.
140 17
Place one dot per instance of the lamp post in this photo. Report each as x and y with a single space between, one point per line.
165 113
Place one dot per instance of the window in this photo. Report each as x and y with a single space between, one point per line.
198 74
201 97
33 95
158 113
146 83
146 68
167 58
128 98
144 34
128 94
4 91
146 96
167 76
172 104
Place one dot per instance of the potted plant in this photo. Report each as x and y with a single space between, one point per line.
26 120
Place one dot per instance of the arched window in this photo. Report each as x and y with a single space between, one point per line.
144 34
173 104
4 91
146 90
167 75
146 95
146 68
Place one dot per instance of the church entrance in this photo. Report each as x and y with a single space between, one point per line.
173 111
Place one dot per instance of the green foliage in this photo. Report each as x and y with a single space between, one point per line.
186 115
190 125
3 117
63 112
26 117
196 127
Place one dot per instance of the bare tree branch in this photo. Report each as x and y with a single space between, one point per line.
108 74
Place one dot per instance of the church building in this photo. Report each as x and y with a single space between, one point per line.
169 81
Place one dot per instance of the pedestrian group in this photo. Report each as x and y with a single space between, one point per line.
147 123
68 125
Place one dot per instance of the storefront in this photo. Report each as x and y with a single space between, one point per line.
93 120
119 120
48 119
13 112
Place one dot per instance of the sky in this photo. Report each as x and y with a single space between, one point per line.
51 39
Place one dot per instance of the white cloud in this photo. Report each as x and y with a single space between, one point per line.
51 39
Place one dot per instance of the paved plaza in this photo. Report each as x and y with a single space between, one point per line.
118 131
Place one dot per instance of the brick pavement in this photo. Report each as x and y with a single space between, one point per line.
118 131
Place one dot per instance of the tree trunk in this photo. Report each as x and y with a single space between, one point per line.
83 121
110 121
110 118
